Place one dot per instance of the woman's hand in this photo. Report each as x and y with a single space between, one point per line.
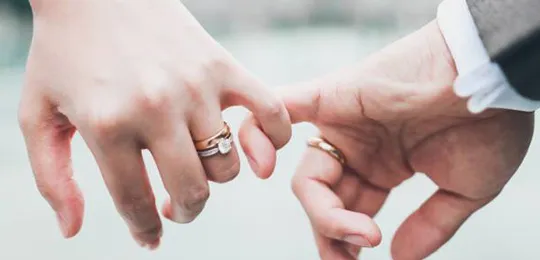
392 116
133 75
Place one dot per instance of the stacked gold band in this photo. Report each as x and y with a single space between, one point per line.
220 143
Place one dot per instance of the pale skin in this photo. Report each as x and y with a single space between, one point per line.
134 75
145 75
392 115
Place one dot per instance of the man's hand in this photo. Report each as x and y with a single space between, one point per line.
392 116
132 75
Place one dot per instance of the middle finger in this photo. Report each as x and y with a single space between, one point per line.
123 170
182 173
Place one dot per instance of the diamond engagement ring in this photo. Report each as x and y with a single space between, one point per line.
220 143
224 146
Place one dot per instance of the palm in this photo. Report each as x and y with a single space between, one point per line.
387 145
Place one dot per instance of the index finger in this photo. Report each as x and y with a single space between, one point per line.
269 110
268 127
315 175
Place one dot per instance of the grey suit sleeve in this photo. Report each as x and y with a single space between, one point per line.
510 31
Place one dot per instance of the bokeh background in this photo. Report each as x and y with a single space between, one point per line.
281 41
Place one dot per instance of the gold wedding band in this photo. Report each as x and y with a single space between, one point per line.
323 145
214 139
219 143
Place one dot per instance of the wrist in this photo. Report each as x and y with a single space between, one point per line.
420 57
435 61
437 54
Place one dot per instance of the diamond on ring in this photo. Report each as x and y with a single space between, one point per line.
223 147
219 143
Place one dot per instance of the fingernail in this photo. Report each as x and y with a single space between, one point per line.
357 240
63 223
253 165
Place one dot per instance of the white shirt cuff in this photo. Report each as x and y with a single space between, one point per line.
479 79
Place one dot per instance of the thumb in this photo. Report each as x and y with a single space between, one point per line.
433 224
47 137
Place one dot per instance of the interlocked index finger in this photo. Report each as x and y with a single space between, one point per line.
269 126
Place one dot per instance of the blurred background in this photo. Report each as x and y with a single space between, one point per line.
281 41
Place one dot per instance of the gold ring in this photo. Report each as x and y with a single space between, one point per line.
221 141
223 147
324 146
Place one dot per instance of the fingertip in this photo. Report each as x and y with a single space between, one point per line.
376 237
154 246
284 134
70 215
70 222
276 127
259 150
373 232
166 210
150 241
367 229
178 215
351 227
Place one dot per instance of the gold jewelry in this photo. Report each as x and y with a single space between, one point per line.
324 146
220 142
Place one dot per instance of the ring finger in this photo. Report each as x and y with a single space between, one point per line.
213 140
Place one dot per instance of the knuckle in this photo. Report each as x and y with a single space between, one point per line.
155 92
273 109
105 124
46 189
192 89
133 207
103 129
155 99
196 197
25 119
218 68
58 191
210 75
330 228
